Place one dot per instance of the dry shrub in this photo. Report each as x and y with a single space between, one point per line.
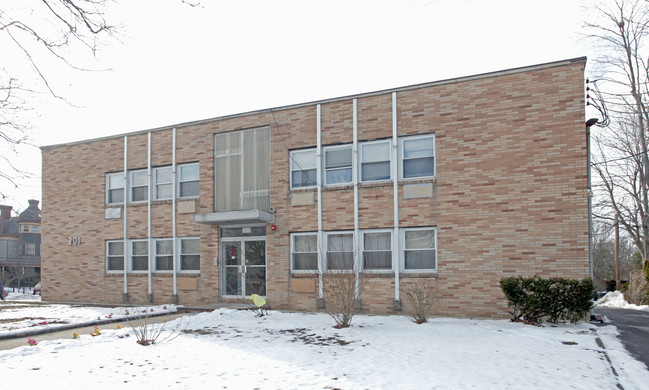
421 296
343 291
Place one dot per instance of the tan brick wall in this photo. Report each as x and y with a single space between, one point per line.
509 196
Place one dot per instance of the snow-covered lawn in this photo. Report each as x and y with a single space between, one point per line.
236 350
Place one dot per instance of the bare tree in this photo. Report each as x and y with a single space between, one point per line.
620 156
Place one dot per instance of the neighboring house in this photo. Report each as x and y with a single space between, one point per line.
460 181
20 240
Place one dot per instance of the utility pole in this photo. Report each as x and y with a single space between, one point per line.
617 254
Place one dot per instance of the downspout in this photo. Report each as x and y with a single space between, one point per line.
395 195
357 257
173 216
589 123
126 247
149 241
318 167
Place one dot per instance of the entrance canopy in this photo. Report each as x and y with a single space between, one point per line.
243 217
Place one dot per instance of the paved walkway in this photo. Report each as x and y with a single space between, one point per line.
633 326
20 339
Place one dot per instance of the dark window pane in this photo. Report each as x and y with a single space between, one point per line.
377 260
375 171
189 188
340 260
419 167
164 263
190 262
115 263
140 263
140 193
422 259
116 196
305 261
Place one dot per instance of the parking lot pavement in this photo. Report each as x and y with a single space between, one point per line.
633 326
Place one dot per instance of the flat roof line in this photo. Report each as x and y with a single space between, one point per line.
455 80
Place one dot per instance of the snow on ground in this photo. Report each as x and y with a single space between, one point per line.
615 299
236 350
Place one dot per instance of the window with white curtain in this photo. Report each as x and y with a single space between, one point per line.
303 168
164 255
375 161
242 170
304 252
340 250
419 249
338 165
377 250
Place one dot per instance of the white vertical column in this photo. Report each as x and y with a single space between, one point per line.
395 185
126 246
318 167
150 196
173 213
355 180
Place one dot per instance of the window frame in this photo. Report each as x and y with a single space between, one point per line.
403 249
109 189
108 256
156 183
402 142
326 250
293 169
131 187
131 255
156 255
292 245
181 254
325 170
180 180
362 251
362 145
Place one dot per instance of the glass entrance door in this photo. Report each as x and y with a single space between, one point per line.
244 267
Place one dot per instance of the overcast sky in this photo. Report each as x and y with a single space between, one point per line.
176 63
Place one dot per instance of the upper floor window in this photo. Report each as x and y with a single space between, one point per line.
303 168
418 156
338 164
164 187
115 187
36 229
375 161
29 249
188 180
139 186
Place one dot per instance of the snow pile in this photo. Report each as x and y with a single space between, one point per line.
615 299
236 350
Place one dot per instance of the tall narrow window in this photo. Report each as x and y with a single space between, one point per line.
340 251
338 165
418 156
242 170
115 256
375 161
304 252
164 188
419 250
164 255
190 254
303 168
188 180
139 186
140 255
377 250
115 188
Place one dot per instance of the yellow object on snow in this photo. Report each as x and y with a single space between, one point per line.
257 300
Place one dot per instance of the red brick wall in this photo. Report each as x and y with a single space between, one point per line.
509 197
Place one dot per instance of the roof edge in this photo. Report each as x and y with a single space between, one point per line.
454 80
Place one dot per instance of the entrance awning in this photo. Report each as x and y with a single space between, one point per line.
244 217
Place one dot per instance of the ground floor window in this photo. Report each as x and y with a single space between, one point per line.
377 250
190 254
139 255
162 250
115 256
304 252
419 249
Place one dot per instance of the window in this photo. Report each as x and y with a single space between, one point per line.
139 186
115 188
419 249
25 228
29 249
163 179
115 256
304 252
303 168
375 161
36 229
340 251
188 180
164 255
377 250
338 165
140 255
190 254
418 156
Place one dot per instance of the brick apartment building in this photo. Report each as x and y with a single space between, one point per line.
460 182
